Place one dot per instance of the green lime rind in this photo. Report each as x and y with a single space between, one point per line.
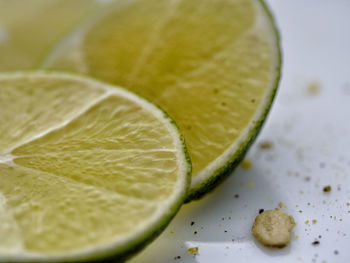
126 251
225 170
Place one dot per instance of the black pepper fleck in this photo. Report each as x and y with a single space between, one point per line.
327 189
315 243
192 223
261 210
236 195
265 145
307 179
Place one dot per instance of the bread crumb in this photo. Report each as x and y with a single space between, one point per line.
246 164
313 88
193 250
251 184
281 205
273 228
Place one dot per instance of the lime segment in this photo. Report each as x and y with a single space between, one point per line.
87 170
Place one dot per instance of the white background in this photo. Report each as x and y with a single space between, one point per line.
310 133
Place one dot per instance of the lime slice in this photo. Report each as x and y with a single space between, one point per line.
28 29
214 66
88 171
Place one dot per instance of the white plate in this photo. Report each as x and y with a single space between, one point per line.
310 133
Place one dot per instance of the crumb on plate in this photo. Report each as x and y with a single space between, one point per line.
273 228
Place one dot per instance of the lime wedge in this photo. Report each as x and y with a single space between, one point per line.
88 171
214 66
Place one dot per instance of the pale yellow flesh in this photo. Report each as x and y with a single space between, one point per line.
80 169
209 64
29 28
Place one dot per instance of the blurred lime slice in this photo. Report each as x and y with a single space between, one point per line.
29 29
